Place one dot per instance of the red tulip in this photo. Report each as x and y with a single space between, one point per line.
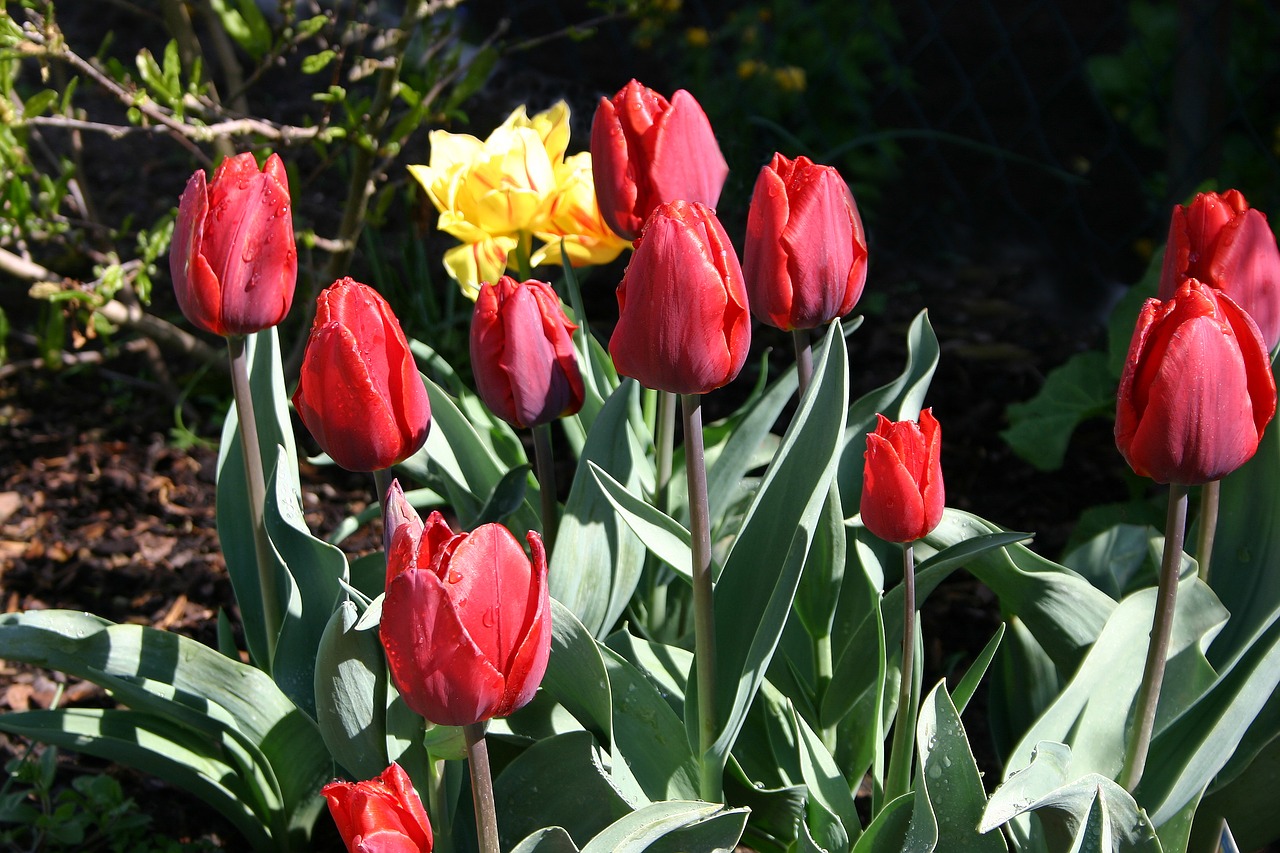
902 493
522 353
805 259
359 393
1196 391
466 622
1222 242
383 815
683 324
646 151
233 259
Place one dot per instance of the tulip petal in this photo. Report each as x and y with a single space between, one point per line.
892 507
686 160
1246 267
437 667
529 664
488 580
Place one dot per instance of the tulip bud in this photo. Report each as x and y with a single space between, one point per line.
383 814
522 353
902 493
683 324
359 392
646 151
466 621
233 259
805 259
1222 242
1197 389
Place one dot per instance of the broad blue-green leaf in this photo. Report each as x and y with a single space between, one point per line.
560 781
576 674
968 684
351 694
665 537
1188 751
553 839
669 825
1091 711
819 592
754 594
1023 684
1061 609
1040 429
597 560
313 569
1111 559
887 832
1089 813
948 784
834 823
235 525
1246 803
666 667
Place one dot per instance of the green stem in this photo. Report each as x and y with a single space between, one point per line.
665 439
438 806
1208 526
482 788
704 622
898 781
544 458
825 670
237 347
1144 719
804 357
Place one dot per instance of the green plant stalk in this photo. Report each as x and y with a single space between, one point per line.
1208 526
438 806
898 779
825 669
482 788
1144 718
544 459
237 346
804 357
710 784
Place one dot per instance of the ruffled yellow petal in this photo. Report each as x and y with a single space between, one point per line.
472 264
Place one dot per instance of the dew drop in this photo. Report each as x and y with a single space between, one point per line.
490 617
454 577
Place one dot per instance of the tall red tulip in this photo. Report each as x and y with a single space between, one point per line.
1197 389
359 393
233 259
683 324
646 150
1222 242
383 815
466 622
805 258
522 353
902 492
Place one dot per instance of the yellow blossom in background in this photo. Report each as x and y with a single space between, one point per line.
574 216
789 78
489 193
697 37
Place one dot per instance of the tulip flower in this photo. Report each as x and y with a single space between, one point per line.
359 393
647 151
902 492
233 259
1222 242
573 216
805 259
522 353
490 193
683 324
383 815
1196 391
466 622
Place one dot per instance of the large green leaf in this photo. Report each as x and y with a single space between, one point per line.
552 839
887 832
666 538
1040 429
351 694
576 675
832 816
673 826
597 560
754 594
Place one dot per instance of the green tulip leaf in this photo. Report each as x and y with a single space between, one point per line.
666 667
818 596
597 560
887 832
552 839
755 592
673 826
576 676
833 822
507 496
1246 803
350 690
666 538
968 683
558 781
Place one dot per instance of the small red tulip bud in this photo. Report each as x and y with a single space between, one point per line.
383 815
902 492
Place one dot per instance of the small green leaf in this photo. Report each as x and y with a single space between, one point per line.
1040 429
317 62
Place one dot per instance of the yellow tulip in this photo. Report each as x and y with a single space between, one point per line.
574 216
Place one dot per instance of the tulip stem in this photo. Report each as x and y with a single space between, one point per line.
1144 718
438 805
544 458
482 788
666 439
804 357
898 779
704 621
237 347
1208 525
